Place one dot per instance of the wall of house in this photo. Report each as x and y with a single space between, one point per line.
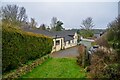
64 45
72 43
75 38
58 44
69 44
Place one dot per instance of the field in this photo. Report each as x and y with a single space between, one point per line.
57 68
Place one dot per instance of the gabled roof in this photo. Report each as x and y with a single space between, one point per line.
67 38
43 32
67 34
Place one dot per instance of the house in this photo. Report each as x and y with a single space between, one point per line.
61 39
97 35
70 37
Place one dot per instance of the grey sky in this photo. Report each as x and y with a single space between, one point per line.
71 13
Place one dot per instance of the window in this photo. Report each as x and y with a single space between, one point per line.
69 42
75 37
57 42
64 43
72 41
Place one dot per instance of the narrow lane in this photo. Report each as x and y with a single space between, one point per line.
71 52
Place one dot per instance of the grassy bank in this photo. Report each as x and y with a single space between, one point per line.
57 68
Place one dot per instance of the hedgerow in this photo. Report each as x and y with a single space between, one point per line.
104 65
83 58
18 47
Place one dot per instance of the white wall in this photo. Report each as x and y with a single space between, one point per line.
75 38
72 42
57 47
64 44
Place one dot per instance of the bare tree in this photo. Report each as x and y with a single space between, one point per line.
87 24
22 14
53 22
33 23
9 12
13 13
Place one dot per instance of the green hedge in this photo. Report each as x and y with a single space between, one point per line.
18 47
86 33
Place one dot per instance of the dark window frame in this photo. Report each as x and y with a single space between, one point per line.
69 42
57 42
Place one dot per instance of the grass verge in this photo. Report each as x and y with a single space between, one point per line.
57 68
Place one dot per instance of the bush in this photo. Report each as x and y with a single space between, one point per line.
26 68
18 47
83 58
102 41
103 64
86 33
113 34
112 71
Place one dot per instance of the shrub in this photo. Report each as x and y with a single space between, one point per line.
26 68
82 59
103 64
102 41
112 71
93 43
18 47
86 33
113 34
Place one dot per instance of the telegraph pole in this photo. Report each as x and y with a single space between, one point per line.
118 8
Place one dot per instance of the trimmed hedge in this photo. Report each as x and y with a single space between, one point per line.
18 47
25 69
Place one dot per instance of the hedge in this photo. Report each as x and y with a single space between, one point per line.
83 58
25 69
18 47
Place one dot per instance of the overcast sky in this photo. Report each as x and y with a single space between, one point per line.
70 13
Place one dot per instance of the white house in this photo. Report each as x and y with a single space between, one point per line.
61 39
69 38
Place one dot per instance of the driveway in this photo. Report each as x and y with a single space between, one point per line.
70 52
